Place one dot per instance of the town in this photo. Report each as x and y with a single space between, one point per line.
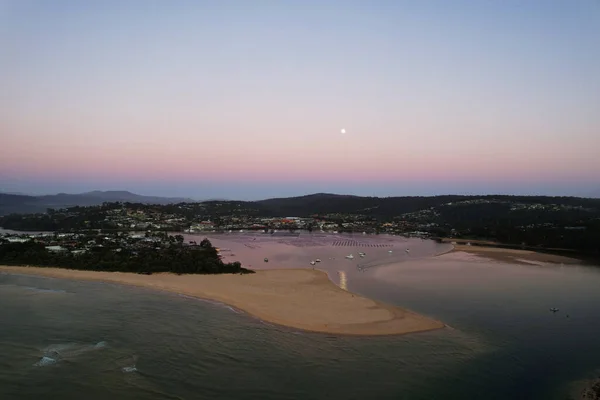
544 222
196 218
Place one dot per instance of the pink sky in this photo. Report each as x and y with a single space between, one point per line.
104 98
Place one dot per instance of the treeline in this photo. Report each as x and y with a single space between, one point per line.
583 240
565 228
74 219
31 222
179 259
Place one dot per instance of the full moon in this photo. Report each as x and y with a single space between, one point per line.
343 130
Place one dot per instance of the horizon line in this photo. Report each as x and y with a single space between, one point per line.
216 198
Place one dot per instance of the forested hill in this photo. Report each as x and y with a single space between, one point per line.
16 203
387 207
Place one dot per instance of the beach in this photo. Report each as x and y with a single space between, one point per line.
297 298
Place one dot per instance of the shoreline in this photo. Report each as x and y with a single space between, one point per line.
302 299
514 256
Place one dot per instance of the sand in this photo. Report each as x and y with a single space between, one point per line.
515 256
297 298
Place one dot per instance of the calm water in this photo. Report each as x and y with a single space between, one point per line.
107 341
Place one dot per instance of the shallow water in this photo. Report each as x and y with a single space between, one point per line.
503 343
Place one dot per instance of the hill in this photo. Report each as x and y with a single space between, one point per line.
17 203
14 203
98 197
386 207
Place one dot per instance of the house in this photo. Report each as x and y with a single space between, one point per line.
56 249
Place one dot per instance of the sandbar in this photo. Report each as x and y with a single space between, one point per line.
514 256
297 298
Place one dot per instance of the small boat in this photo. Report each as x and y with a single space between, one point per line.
407 250
554 309
318 260
312 263
390 251
266 259
350 257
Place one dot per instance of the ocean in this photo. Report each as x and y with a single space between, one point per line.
62 339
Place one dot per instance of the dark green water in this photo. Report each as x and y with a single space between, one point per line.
503 344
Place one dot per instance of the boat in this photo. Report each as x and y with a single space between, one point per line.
407 250
390 251
266 259
350 257
318 260
554 309
312 263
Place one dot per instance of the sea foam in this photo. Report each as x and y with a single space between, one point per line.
45 361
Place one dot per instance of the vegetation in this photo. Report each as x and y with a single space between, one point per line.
170 255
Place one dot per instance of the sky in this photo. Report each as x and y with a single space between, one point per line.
248 99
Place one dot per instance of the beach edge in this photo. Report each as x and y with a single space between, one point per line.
401 321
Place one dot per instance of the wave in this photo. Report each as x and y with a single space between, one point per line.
57 352
32 288
40 290
213 302
45 361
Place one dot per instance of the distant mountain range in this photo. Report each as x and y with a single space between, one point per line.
319 203
386 207
19 203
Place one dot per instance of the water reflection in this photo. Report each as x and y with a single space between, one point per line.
343 280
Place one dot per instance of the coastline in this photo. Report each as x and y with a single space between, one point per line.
302 299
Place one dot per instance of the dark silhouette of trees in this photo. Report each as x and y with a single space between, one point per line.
176 258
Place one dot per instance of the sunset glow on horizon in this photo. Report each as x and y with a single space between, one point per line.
258 99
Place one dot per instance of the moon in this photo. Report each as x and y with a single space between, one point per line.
343 130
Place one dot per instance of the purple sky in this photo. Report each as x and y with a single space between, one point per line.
247 99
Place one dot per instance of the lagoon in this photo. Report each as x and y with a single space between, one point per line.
502 341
